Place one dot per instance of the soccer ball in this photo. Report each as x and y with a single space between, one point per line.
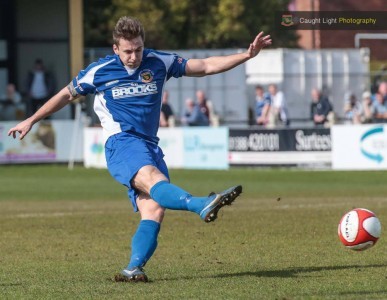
359 229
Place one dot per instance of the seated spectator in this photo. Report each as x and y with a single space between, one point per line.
214 118
193 116
380 109
383 90
262 106
206 106
279 108
320 109
353 109
201 100
367 108
11 105
166 114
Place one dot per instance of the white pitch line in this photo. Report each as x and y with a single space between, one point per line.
53 214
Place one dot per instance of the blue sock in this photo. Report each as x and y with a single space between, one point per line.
172 197
144 243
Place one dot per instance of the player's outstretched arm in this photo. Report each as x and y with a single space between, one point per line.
61 99
219 64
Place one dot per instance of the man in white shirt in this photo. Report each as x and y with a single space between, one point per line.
279 108
40 86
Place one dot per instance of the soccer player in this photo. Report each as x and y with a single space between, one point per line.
128 87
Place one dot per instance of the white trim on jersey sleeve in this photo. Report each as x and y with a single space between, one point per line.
109 126
89 76
166 58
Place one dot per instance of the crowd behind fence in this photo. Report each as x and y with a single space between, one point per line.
229 99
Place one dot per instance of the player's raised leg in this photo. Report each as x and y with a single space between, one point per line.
170 196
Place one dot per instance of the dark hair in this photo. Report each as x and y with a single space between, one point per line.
259 87
128 28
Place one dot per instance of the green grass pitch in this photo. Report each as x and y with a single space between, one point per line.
64 234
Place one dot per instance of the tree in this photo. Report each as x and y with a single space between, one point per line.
186 24
96 23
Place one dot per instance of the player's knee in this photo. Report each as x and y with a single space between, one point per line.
159 213
147 177
154 212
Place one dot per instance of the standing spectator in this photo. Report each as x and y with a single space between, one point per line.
11 104
278 104
40 86
166 115
320 108
367 108
193 115
353 109
380 109
262 106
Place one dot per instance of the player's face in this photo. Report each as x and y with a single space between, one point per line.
130 51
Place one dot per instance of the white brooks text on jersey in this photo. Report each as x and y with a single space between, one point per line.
129 100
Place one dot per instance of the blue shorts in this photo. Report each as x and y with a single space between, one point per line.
126 154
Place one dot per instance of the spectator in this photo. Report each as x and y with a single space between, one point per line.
206 106
279 109
353 109
193 115
11 104
380 109
262 106
367 108
40 86
166 115
202 102
379 77
383 90
320 108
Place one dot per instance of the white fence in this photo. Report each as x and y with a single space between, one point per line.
344 147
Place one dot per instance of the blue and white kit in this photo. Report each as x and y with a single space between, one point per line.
128 102
129 99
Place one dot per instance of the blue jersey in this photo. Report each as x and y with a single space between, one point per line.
260 104
129 99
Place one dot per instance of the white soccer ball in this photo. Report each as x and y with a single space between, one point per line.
359 229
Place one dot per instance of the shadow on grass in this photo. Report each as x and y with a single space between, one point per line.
285 273
294 272
357 293
9 284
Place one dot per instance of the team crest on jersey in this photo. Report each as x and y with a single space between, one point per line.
146 75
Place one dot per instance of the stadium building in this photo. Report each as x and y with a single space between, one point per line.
45 29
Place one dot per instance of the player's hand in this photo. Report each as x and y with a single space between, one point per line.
23 128
259 42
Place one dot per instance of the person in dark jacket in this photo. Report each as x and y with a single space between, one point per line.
40 86
320 108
